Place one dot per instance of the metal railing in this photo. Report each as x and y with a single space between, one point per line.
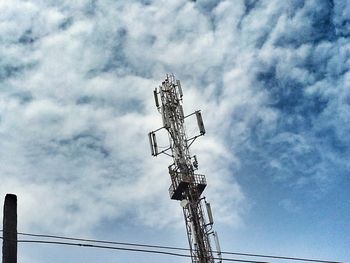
183 180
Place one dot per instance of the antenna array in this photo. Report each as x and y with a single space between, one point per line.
186 185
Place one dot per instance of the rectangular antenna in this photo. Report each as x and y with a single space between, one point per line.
194 234
200 122
179 88
217 244
156 97
151 143
210 214
166 123
155 146
181 110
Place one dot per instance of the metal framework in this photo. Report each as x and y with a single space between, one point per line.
186 185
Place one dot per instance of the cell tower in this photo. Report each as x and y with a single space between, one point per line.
186 185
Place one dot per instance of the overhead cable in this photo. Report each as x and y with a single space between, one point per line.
86 245
177 248
172 248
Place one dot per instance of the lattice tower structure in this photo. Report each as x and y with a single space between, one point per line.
186 185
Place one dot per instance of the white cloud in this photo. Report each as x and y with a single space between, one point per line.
86 135
76 103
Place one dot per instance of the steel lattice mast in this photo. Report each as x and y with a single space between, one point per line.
186 185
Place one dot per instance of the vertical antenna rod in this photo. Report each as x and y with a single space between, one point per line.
186 186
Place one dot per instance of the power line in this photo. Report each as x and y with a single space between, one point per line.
129 249
172 248
102 241
99 246
176 248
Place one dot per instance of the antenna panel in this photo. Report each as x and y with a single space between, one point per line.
181 110
200 122
161 93
156 97
194 234
151 143
217 244
155 146
166 122
210 214
179 88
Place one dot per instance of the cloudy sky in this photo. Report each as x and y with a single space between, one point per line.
272 80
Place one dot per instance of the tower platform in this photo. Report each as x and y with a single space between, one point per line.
181 182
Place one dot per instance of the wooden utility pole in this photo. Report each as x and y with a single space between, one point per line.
9 245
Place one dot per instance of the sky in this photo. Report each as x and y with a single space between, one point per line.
272 81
